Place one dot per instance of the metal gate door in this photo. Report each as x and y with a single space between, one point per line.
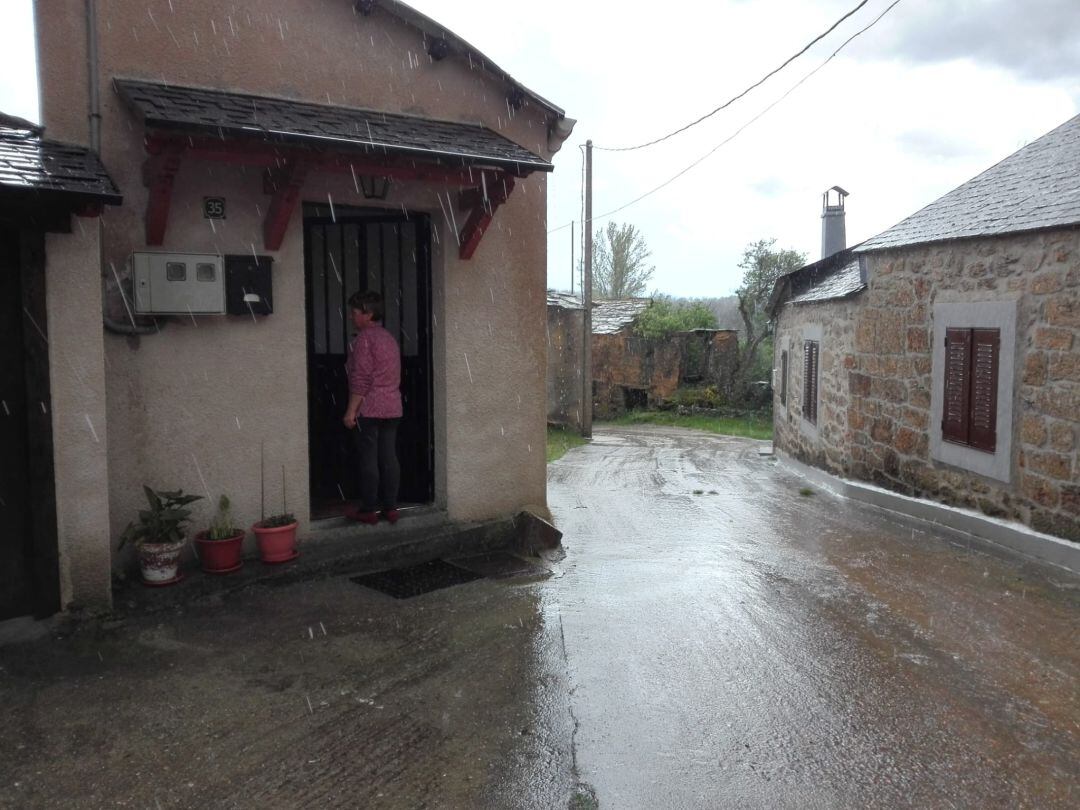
349 251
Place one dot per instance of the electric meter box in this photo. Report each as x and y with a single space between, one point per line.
179 283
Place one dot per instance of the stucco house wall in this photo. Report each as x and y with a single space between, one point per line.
190 407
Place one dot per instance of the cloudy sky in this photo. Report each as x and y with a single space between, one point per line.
933 94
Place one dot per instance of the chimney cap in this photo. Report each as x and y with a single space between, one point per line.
839 191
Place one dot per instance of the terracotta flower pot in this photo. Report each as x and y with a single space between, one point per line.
276 544
160 562
220 556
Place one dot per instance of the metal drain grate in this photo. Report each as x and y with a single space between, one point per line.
405 583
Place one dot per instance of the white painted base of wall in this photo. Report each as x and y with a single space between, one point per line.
1014 536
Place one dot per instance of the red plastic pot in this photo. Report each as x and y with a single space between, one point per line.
276 544
220 556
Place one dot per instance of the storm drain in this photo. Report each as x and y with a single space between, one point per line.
405 583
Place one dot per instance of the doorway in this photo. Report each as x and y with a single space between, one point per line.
29 582
350 250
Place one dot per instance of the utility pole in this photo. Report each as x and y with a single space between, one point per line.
586 298
571 257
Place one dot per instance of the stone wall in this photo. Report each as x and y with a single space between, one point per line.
832 325
887 375
564 358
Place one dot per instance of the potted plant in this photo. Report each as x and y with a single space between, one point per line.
221 546
158 535
275 535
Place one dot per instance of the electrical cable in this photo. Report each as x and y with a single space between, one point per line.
733 99
744 126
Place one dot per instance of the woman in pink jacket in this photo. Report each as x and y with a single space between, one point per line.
374 370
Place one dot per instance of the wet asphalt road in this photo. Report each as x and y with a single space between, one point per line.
733 643
711 639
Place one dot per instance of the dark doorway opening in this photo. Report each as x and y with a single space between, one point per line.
29 581
635 399
349 250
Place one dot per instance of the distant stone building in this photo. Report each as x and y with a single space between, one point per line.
630 371
566 328
941 358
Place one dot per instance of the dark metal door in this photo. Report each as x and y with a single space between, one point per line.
28 554
348 251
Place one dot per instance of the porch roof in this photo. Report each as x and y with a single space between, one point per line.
51 171
375 133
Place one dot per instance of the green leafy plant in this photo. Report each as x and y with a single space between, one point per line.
164 522
664 317
276 521
221 527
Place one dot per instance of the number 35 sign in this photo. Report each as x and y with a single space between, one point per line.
213 207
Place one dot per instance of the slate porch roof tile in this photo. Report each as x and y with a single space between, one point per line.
29 163
564 300
1034 188
241 114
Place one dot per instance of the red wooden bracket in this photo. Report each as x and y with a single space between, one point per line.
159 172
483 203
289 181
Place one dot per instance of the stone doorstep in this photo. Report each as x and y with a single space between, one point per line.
338 546
1015 537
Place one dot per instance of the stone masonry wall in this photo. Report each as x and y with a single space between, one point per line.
827 445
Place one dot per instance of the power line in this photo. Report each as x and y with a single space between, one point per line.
744 126
733 99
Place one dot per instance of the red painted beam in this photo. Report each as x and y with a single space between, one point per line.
482 214
159 172
289 182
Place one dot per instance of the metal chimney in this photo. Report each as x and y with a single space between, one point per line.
833 232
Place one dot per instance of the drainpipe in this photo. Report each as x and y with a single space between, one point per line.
92 76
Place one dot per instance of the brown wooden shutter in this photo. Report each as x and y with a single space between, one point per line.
956 407
982 428
783 377
810 380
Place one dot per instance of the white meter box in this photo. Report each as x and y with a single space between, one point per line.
179 283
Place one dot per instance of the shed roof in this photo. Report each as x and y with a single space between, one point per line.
610 315
31 164
564 300
1036 187
241 114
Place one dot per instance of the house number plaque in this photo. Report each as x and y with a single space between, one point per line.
213 207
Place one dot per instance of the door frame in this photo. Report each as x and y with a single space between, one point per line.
323 213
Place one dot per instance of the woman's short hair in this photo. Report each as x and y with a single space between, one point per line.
370 302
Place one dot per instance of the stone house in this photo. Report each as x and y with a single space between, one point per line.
941 358
630 371
273 158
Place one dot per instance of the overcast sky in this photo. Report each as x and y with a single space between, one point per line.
935 93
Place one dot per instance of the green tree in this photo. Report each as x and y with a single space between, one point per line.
762 265
620 262
666 316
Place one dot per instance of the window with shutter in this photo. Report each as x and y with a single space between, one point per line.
783 377
810 381
969 409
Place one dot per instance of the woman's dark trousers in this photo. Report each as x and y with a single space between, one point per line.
380 473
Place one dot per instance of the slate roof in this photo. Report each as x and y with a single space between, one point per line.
564 300
829 279
30 164
1034 188
842 283
610 315
239 114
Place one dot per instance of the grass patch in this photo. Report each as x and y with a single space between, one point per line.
753 426
806 492
559 440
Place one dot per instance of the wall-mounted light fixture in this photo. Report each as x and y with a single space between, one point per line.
438 49
365 7
374 187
